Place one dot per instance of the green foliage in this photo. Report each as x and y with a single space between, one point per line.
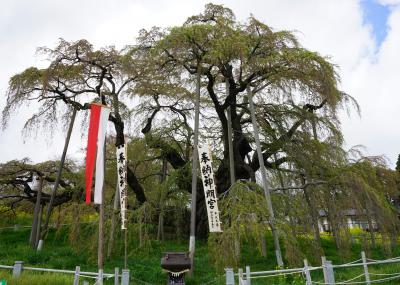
244 217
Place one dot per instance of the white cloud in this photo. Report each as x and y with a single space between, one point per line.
389 2
332 27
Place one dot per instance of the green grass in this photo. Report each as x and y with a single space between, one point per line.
144 263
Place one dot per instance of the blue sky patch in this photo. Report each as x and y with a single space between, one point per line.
376 15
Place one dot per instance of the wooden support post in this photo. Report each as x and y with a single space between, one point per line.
195 161
230 139
39 225
36 215
230 276
330 275
240 276
323 261
58 178
366 272
17 269
116 276
248 274
125 277
278 252
126 246
76 277
230 147
307 273
100 277
114 216
100 247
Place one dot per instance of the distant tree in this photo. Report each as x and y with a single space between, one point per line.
398 163
76 76
22 181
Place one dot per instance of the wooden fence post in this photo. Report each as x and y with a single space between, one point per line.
116 276
230 276
330 276
125 277
366 272
76 277
323 260
248 279
17 269
240 276
307 272
100 277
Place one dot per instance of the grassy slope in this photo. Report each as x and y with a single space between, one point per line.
145 263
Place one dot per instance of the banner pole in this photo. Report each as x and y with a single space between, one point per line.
126 247
195 157
100 257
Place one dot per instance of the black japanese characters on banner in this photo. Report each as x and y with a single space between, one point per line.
121 171
210 192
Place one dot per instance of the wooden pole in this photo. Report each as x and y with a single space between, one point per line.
307 272
100 248
267 193
113 222
230 141
39 225
58 178
36 216
366 272
126 246
195 157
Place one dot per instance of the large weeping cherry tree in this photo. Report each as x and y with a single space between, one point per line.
296 96
292 86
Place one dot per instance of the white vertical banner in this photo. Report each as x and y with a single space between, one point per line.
210 192
121 172
101 136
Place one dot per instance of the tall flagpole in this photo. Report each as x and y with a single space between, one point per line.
195 158
58 178
267 193
100 248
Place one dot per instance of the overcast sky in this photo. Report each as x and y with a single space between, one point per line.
361 36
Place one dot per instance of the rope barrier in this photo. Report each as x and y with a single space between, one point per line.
347 282
383 274
352 262
279 274
354 278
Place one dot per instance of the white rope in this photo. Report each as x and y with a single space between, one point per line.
352 279
279 274
383 274
360 282
385 279
377 260
352 262
87 276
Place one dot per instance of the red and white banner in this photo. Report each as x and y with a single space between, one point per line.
96 137
121 169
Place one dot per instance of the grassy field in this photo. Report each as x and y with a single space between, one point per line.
144 263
